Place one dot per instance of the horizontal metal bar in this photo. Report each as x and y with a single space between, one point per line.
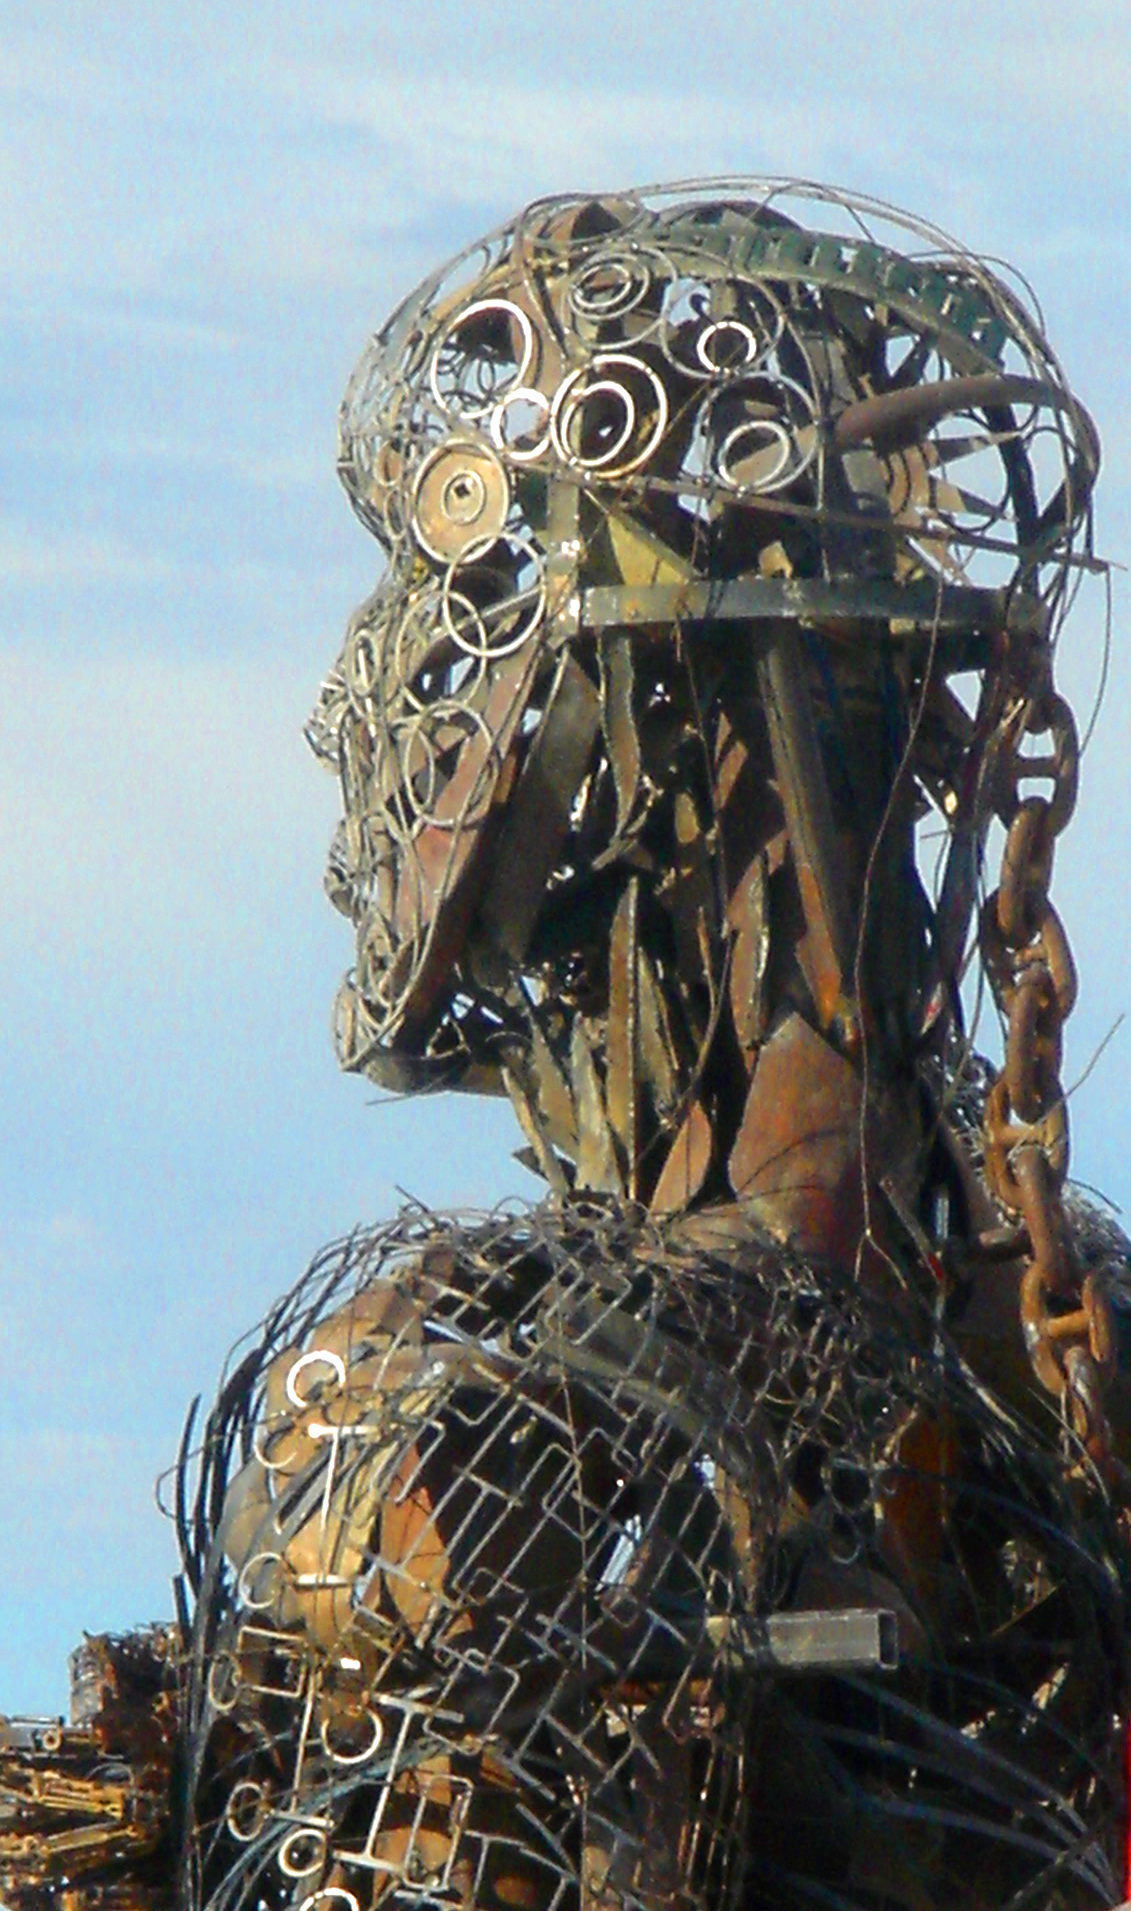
915 608
34 1734
817 1641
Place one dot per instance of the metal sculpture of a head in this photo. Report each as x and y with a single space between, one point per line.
692 499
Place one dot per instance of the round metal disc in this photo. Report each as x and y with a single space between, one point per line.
462 497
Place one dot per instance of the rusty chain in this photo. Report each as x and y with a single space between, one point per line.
1066 1322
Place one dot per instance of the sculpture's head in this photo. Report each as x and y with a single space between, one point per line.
633 461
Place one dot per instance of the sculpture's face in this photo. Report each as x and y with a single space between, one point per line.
588 427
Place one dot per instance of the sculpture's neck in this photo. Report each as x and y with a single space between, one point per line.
741 979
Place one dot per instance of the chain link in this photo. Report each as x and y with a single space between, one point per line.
1067 1323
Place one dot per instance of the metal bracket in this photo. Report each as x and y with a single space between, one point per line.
815 1641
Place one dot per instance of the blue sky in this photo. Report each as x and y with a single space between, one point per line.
204 212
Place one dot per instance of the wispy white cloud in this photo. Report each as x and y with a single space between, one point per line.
45 559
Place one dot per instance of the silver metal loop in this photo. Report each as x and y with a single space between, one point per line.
585 382
461 357
302 1852
500 628
334 1749
246 1795
268 1568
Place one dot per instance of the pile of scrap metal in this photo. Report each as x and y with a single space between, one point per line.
85 1807
747 1523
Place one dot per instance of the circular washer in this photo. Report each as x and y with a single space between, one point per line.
462 497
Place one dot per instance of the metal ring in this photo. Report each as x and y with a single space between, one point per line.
318 1356
467 611
223 1682
294 1868
264 1436
712 330
352 1758
689 324
574 406
416 772
564 396
335 1892
260 1602
377 952
353 1031
532 598
461 496
361 667
449 711
634 280
412 638
233 1815
771 429
795 411
473 311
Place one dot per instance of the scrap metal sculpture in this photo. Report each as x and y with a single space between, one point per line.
742 1525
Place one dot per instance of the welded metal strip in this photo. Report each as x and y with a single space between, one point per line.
623 1077
804 793
597 1165
818 1641
917 608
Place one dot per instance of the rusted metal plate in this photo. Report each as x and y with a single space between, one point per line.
597 1165
796 1163
623 1075
538 814
749 918
686 1164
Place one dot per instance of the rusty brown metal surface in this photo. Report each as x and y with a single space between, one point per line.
663 1535
795 1166
746 1525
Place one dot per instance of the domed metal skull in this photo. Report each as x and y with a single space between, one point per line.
608 452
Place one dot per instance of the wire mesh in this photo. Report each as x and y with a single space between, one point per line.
482 1520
